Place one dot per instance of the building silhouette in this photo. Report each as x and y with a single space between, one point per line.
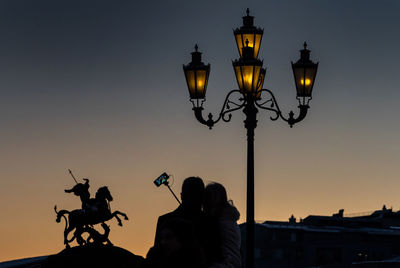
370 240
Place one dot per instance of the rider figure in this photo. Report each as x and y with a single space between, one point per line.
82 190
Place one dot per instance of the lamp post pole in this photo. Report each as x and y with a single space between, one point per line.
250 124
250 97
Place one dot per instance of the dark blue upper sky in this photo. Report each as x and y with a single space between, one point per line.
80 50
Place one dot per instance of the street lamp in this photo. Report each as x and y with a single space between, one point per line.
196 73
249 98
304 71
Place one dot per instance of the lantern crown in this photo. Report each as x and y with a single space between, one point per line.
196 57
248 21
304 55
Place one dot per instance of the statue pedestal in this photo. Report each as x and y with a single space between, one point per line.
99 256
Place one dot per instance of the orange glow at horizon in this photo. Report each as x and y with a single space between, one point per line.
128 167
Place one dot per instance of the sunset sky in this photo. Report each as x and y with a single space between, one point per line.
97 86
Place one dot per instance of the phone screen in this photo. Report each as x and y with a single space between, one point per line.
162 179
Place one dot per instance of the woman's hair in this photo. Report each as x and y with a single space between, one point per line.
215 199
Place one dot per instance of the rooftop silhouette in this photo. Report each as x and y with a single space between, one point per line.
362 240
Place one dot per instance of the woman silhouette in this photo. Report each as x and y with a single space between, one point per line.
216 205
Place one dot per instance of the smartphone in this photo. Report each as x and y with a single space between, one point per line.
162 179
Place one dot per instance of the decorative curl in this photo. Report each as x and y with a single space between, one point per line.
226 110
274 107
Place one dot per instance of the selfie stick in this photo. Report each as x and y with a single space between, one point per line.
167 184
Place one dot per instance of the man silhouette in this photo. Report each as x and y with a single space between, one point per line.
191 207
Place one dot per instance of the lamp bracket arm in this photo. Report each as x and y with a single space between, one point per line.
234 103
302 114
198 112
225 113
226 110
273 105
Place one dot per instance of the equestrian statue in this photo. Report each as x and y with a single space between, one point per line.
94 211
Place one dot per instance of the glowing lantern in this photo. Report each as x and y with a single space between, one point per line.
260 82
248 32
304 71
197 73
247 71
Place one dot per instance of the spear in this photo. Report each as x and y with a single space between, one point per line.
72 175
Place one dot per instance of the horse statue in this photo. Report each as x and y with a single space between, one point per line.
94 211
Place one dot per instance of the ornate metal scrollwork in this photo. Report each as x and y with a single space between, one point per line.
274 107
228 107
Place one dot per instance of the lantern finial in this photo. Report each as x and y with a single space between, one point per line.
305 53
196 55
248 21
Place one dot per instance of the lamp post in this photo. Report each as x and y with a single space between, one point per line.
250 97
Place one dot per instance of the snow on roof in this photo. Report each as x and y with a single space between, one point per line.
25 261
330 229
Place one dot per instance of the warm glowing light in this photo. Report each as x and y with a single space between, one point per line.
248 79
308 82
247 74
304 71
249 40
196 73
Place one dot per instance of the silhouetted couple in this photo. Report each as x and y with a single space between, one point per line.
201 233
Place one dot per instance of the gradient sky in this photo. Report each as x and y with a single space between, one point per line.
97 87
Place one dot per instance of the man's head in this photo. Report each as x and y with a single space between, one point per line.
192 191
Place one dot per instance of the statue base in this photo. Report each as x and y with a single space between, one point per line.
100 256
